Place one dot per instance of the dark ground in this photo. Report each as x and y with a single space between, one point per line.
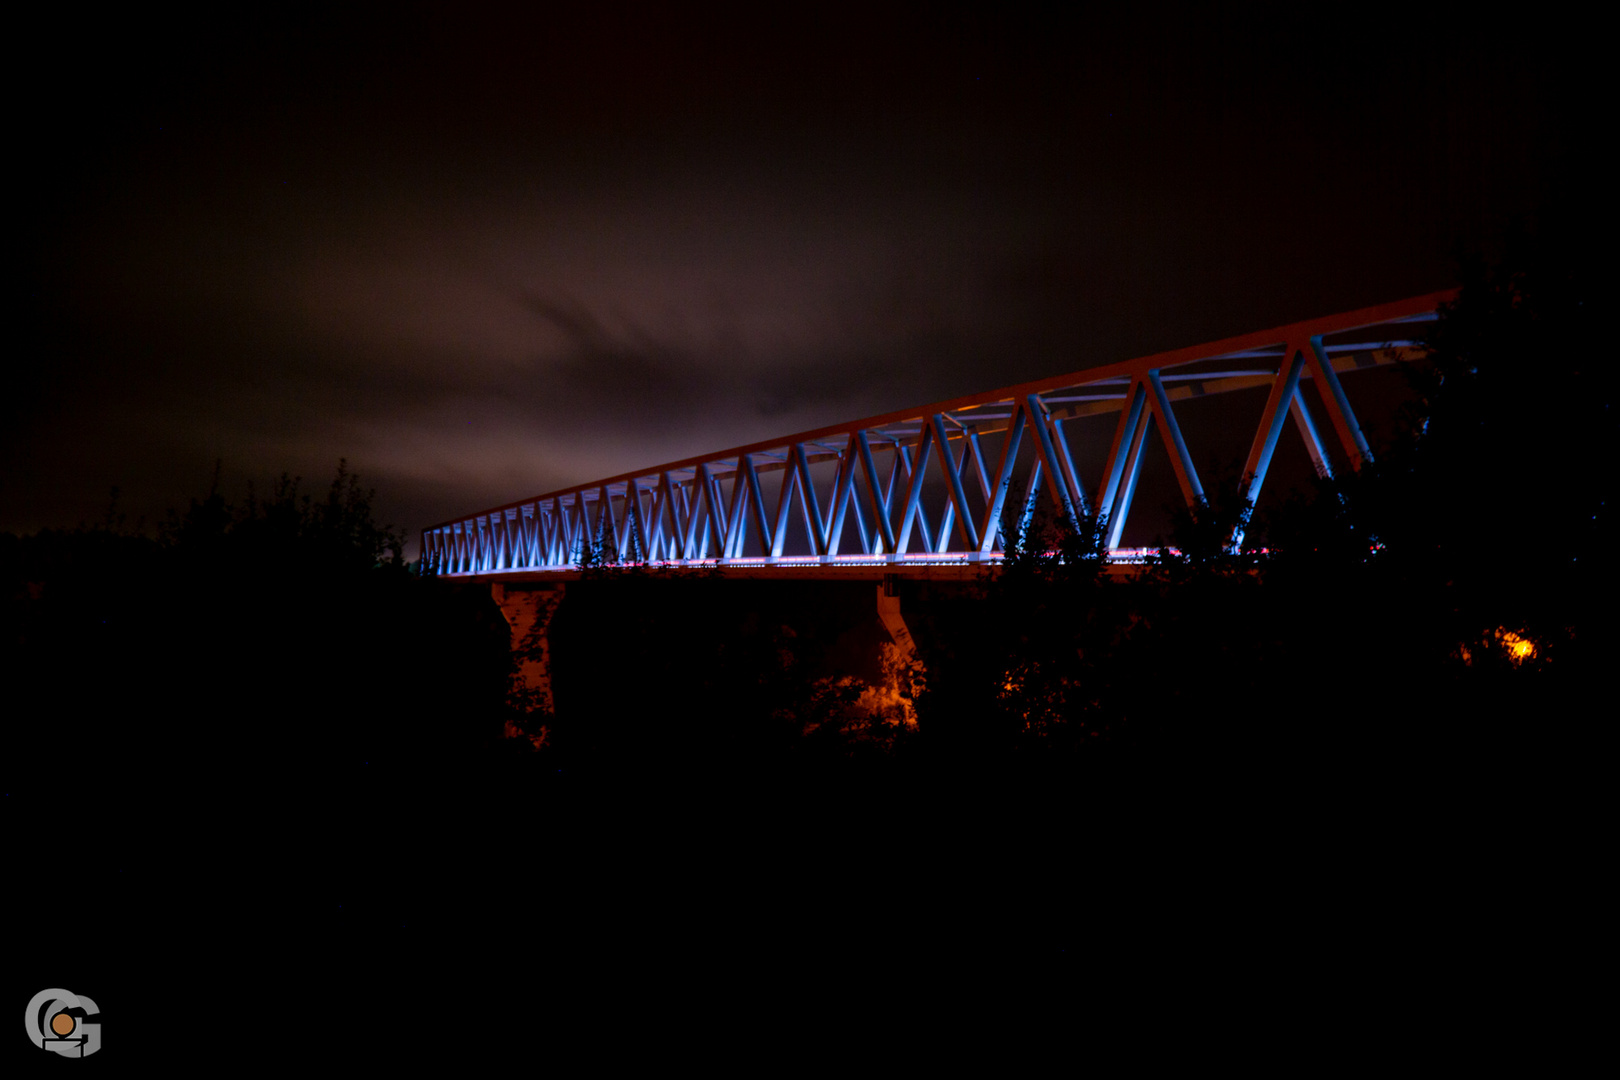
383 910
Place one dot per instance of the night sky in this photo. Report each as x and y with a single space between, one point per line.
483 257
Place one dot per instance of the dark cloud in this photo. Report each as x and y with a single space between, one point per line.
482 257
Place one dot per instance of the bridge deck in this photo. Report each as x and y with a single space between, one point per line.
791 570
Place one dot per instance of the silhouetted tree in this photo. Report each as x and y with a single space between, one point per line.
281 636
1401 611
1018 668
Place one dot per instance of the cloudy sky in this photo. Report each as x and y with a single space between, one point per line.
483 256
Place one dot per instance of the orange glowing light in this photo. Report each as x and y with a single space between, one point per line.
1519 647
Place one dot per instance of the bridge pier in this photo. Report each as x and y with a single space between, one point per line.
888 605
832 620
902 670
528 610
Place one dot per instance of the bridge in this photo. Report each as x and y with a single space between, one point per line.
925 491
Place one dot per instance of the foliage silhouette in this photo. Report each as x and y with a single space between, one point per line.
1202 535
592 552
282 636
598 555
1402 593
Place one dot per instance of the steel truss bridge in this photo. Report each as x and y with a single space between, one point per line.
926 488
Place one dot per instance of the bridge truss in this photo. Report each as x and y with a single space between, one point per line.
932 485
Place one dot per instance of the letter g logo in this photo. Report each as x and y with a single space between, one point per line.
65 1023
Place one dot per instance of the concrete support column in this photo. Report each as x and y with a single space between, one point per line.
903 673
888 601
528 610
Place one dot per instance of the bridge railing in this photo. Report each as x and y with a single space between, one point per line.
935 484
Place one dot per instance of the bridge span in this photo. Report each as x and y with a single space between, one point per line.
925 491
